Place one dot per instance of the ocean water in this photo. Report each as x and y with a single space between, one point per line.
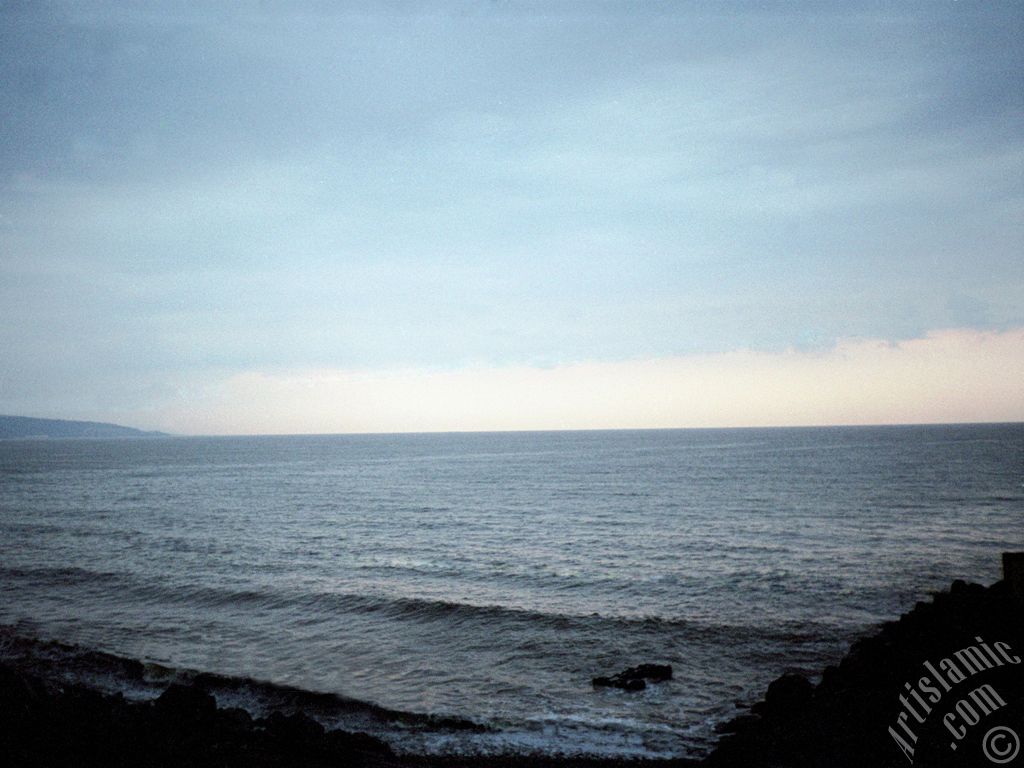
487 577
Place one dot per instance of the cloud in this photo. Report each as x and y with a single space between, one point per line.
954 375
189 192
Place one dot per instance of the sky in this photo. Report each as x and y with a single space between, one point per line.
281 217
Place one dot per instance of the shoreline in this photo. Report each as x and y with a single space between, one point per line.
850 718
48 724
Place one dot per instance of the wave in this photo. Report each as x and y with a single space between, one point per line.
58 662
423 610
61 576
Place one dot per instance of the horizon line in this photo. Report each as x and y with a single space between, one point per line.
149 434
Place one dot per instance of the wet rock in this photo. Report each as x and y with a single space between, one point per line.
738 724
18 690
182 702
635 678
129 668
344 742
73 726
788 695
845 721
654 672
293 729
236 718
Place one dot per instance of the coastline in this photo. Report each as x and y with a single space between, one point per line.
851 718
76 725
904 695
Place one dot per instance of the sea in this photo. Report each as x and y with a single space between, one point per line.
457 593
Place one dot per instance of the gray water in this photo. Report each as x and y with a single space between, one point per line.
490 576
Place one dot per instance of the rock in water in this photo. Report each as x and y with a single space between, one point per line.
185 703
654 672
790 693
635 678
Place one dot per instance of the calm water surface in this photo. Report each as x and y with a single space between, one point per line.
490 576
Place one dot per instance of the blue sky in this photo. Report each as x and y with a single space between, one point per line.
194 195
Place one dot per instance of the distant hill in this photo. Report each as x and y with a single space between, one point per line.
23 427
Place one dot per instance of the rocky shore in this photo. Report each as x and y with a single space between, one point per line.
77 727
911 666
929 689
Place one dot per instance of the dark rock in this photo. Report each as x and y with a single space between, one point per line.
654 672
236 718
357 742
738 724
844 722
293 729
787 696
185 703
830 676
18 690
635 678
129 668
78 727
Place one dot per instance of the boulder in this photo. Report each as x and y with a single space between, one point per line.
635 678
295 729
788 695
184 703
654 672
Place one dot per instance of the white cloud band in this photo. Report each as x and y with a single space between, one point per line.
948 376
